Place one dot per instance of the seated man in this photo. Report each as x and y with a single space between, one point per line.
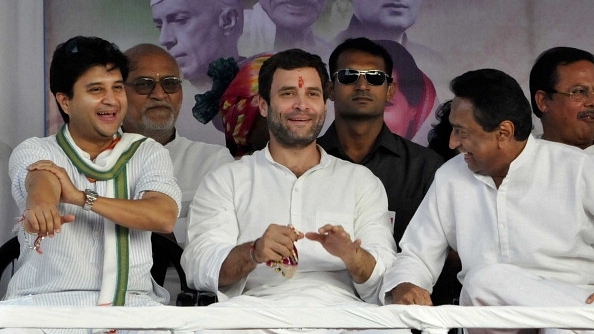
518 210
290 224
90 195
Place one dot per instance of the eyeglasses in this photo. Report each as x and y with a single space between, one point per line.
577 94
145 86
350 77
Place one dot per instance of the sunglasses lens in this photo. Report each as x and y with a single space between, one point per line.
375 78
144 86
171 85
347 77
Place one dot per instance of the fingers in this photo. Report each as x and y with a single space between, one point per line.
590 299
44 220
277 242
410 294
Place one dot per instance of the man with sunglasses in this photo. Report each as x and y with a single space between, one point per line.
562 89
155 95
360 88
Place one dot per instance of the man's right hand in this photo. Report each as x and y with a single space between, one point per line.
410 294
276 243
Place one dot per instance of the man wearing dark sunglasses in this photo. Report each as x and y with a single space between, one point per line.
155 94
360 88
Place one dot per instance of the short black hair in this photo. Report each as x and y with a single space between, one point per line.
544 75
362 44
74 57
289 60
496 97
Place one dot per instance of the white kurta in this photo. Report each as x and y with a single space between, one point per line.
541 220
236 203
192 160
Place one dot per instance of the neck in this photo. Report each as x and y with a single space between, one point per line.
161 136
286 38
373 31
297 159
93 146
357 137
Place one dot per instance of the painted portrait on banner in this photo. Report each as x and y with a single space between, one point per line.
428 46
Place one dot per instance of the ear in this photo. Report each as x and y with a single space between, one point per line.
542 101
64 102
505 131
228 20
262 106
330 88
391 91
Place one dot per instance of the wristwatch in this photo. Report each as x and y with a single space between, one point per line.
91 197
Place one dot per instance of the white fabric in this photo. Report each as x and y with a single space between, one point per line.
236 203
104 162
541 219
192 160
189 319
68 273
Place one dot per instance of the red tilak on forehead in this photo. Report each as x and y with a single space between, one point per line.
300 82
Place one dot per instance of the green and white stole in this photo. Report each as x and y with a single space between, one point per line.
112 170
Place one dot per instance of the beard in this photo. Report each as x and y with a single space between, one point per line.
288 138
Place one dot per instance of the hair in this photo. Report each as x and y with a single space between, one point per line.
146 49
439 136
544 74
74 57
410 78
496 97
364 45
289 60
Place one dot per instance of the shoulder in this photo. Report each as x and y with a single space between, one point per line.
182 145
412 150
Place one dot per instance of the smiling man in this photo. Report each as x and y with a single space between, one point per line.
518 210
290 225
90 195
562 92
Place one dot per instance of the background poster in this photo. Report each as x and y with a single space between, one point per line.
446 39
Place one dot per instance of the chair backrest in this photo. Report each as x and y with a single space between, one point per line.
167 252
9 253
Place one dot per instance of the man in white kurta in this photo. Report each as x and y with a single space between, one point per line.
154 114
290 200
518 210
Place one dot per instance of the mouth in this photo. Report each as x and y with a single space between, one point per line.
362 98
586 116
108 116
392 5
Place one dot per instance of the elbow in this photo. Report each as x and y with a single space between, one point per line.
168 223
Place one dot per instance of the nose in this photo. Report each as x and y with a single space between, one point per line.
454 141
158 93
167 37
362 82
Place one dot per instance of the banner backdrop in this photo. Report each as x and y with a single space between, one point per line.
431 41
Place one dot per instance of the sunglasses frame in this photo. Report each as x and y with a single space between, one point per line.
350 71
140 80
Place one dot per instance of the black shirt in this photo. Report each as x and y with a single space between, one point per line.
405 168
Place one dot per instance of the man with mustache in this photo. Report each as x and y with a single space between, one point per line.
561 91
155 95
290 225
518 210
